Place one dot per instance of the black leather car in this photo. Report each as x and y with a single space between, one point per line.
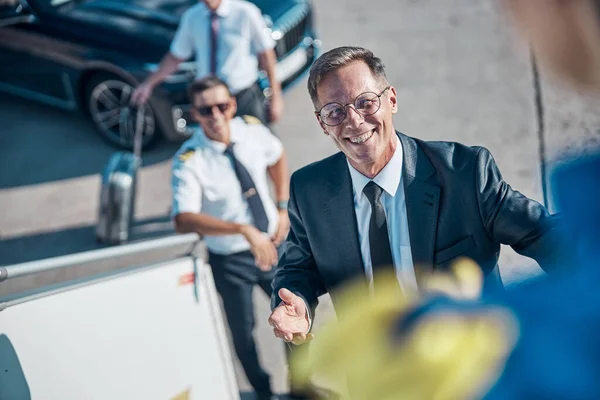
89 54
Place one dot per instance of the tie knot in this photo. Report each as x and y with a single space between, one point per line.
229 150
373 192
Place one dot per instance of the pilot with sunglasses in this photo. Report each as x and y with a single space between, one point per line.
220 191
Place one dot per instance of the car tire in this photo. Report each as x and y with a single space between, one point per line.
107 103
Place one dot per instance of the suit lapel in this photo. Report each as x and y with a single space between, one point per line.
340 208
422 201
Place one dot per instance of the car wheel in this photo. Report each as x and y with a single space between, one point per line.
108 106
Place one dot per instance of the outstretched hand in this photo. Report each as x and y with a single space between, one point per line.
290 319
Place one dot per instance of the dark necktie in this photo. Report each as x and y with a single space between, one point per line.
379 240
214 28
249 192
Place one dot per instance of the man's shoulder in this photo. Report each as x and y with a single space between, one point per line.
251 120
319 170
197 9
454 154
442 146
250 129
187 151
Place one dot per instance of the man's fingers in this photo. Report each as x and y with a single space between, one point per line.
265 267
286 295
139 96
301 338
265 257
276 239
287 336
260 258
272 253
275 318
134 97
278 333
265 263
279 319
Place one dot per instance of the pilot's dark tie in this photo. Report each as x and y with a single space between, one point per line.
379 240
249 192
214 28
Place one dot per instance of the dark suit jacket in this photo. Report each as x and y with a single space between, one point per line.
457 205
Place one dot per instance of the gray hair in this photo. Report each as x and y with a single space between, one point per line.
340 57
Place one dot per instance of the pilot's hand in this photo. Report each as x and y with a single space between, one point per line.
275 107
141 94
290 319
261 247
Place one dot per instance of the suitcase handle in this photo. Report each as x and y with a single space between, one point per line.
139 130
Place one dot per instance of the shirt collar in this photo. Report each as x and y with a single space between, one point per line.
388 178
222 10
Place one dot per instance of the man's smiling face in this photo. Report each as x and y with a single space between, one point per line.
367 141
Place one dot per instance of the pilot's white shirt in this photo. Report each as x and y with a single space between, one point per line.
204 181
242 35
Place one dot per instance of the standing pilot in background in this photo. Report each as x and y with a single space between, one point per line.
228 39
220 191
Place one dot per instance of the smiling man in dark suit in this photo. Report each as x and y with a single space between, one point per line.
388 200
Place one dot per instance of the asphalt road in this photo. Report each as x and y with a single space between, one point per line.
461 75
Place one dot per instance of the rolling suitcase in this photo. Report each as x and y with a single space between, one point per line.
117 194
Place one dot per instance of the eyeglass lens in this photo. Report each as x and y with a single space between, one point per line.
365 104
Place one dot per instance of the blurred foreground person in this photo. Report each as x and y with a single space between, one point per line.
220 191
229 39
564 36
538 341
390 201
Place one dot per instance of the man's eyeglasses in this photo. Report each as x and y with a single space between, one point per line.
208 110
365 104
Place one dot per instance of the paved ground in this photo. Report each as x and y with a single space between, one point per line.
460 75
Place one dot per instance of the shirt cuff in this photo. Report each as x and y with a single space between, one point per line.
179 53
309 317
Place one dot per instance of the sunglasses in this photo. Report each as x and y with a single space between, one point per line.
208 110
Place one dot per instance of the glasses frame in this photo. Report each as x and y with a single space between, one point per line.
211 113
318 112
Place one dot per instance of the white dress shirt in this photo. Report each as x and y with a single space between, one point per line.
394 204
241 36
203 180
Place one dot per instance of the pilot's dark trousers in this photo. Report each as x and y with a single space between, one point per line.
235 276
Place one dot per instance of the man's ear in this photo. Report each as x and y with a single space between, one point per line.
233 105
393 99
194 114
